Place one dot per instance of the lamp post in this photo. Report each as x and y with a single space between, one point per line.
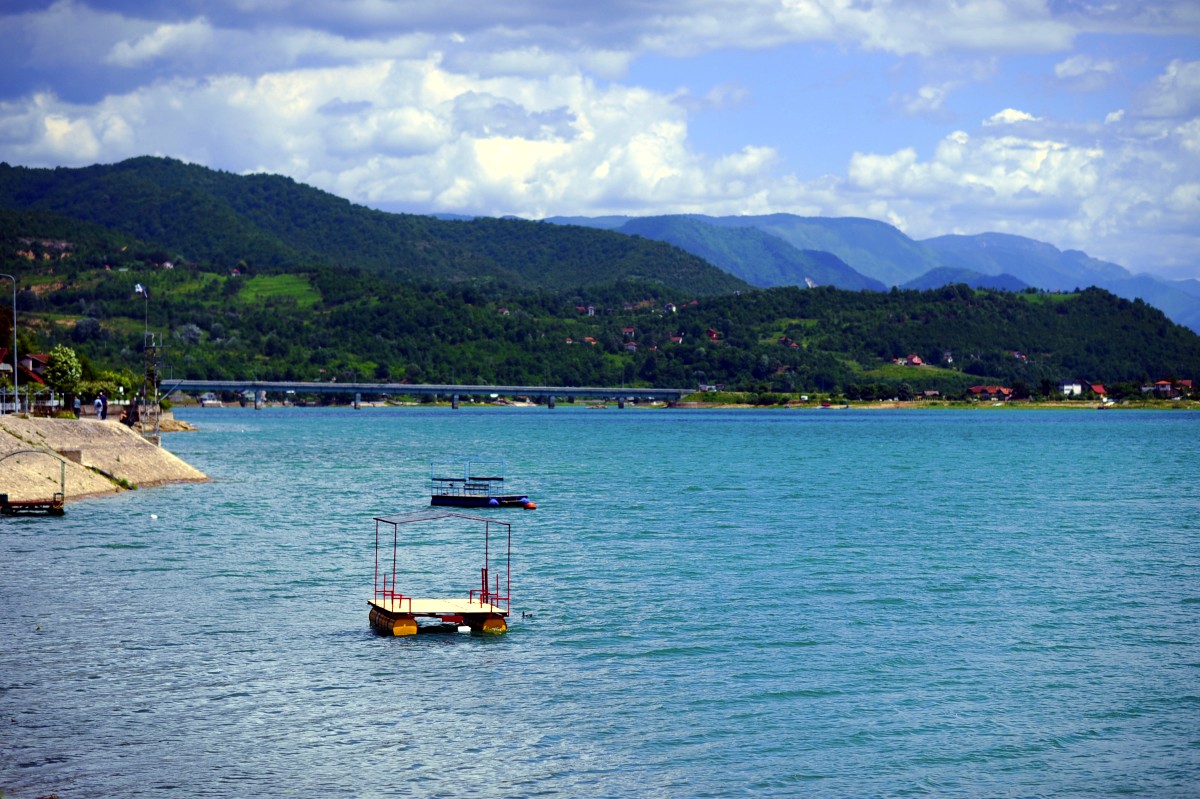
16 393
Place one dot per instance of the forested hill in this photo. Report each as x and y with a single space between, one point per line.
258 277
268 223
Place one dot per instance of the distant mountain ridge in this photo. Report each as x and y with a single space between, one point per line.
754 255
876 251
945 276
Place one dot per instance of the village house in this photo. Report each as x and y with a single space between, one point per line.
1169 389
991 393
33 365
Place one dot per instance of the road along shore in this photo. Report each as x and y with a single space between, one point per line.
101 457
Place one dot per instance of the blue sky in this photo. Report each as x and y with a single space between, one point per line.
1075 122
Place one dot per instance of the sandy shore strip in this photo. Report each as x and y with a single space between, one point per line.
101 458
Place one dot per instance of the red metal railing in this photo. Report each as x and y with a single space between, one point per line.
491 596
385 579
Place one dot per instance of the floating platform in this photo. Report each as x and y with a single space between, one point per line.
472 486
41 507
482 610
398 616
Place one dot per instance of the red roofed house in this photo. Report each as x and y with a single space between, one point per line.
1001 393
33 366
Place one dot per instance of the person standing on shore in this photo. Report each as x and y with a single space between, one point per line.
103 406
78 407
98 403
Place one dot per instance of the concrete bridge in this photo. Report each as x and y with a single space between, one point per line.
262 387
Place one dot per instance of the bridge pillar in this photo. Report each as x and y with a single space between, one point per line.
454 402
357 400
550 401
620 402
260 399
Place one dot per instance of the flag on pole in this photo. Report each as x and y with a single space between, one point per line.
141 291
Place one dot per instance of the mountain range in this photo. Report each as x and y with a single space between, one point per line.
257 275
269 220
852 253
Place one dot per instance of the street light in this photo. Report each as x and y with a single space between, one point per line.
16 394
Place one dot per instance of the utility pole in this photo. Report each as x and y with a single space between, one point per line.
16 392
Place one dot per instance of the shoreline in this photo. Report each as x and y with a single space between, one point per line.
794 405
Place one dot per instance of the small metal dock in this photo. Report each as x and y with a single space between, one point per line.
483 609
43 507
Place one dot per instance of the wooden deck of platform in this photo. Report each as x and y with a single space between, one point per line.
418 606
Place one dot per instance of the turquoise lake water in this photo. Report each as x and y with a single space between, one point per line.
705 604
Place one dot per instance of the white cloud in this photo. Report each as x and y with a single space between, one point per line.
1124 198
165 41
929 100
1081 64
1084 72
1009 116
1188 135
1175 93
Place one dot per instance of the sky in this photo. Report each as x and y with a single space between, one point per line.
1074 122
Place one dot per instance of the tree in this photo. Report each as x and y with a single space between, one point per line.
63 370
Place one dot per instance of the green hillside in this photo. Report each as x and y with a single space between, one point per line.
272 223
329 324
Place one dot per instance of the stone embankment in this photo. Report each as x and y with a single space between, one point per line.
100 458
